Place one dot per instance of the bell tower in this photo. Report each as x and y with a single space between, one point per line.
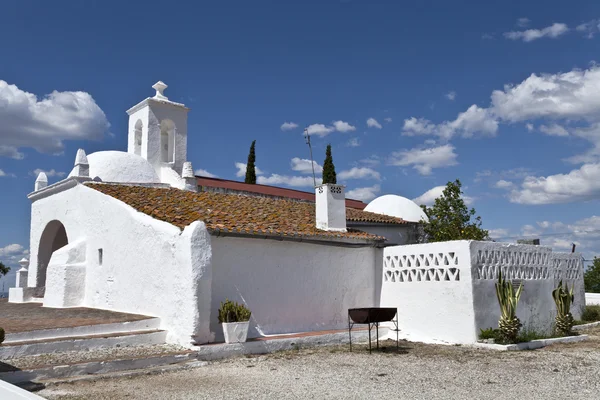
158 130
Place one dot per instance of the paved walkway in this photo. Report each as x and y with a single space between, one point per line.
25 317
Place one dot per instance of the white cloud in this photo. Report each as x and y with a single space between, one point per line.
572 97
44 124
553 31
304 166
342 126
241 169
589 28
353 142
203 172
474 121
11 250
487 36
11 152
5 175
296 181
523 22
451 95
319 130
428 198
424 160
529 127
554 130
371 161
498 233
364 193
388 119
359 173
502 184
288 126
373 123
578 185
49 173
421 126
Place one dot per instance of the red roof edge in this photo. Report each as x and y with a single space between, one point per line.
267 190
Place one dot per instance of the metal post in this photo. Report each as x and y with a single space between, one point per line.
350 331
377 332
312 163
369 337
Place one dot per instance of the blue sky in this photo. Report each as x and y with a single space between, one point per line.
503 96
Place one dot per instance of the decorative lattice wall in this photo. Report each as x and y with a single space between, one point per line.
421 267
567 267
515 263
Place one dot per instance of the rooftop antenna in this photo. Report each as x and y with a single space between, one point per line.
312 163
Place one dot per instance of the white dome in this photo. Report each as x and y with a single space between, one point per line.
397 206
118 166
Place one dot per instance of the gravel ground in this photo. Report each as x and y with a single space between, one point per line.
72 357
569 371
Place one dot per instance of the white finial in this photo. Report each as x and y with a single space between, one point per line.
41 181
24 263
160 86
187 173
82 167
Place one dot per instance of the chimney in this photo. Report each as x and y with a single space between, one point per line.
82 167
187 173
330 207
41 181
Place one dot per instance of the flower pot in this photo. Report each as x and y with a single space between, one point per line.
235 332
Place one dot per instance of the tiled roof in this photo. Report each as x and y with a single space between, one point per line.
235 213
229 186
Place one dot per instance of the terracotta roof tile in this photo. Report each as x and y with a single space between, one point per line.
236 213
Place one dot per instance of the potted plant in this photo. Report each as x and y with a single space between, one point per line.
235 319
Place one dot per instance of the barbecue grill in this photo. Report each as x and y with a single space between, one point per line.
372 316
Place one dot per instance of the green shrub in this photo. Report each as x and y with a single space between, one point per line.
527 335
1 335
591 314
489 333
230 311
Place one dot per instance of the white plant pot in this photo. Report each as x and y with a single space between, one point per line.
235 332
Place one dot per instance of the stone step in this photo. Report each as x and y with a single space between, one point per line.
86 330
81 343
98 369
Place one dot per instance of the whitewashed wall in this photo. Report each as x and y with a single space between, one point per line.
569 268
445 292
148 266
527 264
292 286
430 284
592 298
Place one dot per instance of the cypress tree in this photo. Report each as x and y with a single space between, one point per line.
250 167
328 167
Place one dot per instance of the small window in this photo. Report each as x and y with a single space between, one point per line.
100 256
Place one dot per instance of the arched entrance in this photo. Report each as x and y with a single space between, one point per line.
53 238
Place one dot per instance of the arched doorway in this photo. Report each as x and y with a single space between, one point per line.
53 238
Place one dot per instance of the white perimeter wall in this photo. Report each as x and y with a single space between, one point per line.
430 284
293 286
440 305
592 298
148 267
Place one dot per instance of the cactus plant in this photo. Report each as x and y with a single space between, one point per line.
230 311
508 299
563 299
